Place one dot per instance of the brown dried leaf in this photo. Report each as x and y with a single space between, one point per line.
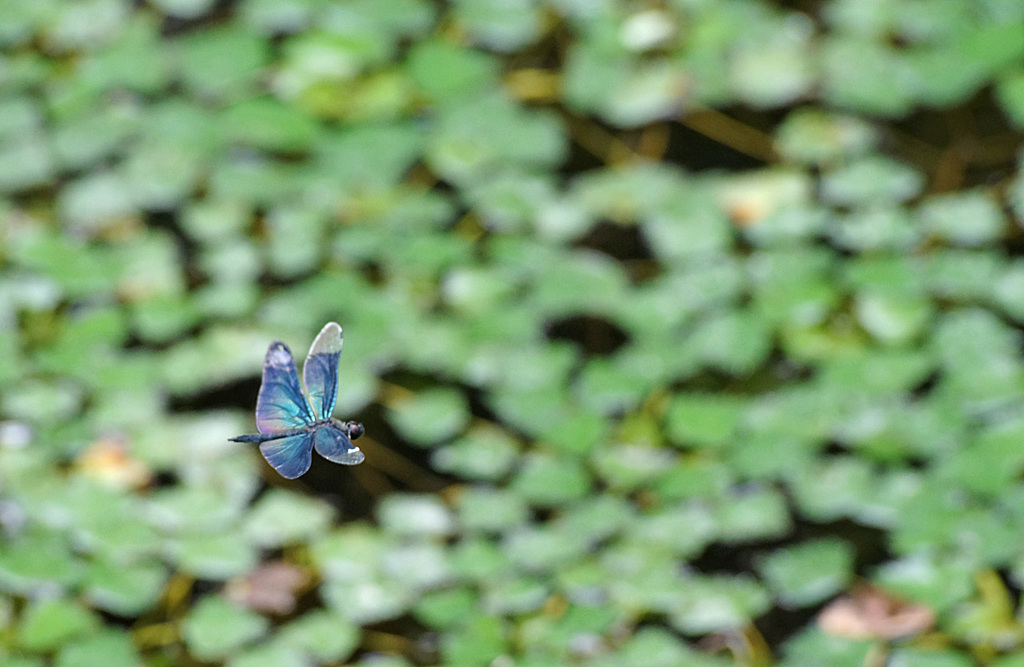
109 462
271 587
871 613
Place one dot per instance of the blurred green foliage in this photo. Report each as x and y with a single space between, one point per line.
669 323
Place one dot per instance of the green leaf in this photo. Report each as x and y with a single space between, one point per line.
817 136
578 434
503 26
989 463
475 138
1010 93
161 176
480 560
351 553
1013 660
871 179
659 528
735 341
446 607
865 76
111 647
813 646
483 508
964 275
430 416
511 199
939 582
479 641
939 81
893 320
11 661
631 466
222 61
993 45
483 453
541 548
658 647
218 556
164 317
809 572
753 514
610 386
38 560
135 60
878 372
215 628
24 163
85 25
703 420
321 635
185 9
367 601
184 508
50 624
415 515
1009 290
266 123
889 273
271 653
547 480
96 201
695 478
126 591
282 517
847 487
793 286
520 595
594 520
930 658
969 218
446 71
774 68
876 228
716 603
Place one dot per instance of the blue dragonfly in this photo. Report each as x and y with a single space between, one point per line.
290 425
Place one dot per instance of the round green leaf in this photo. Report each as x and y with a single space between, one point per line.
809 572
547 480
111 647
214 628
281 517
415 515
430 416
50 624
321 635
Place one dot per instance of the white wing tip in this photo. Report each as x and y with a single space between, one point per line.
351 458
278 355
329 340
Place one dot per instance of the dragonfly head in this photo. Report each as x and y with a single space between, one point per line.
355 430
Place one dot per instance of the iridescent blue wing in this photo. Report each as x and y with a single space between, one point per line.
281 405
289 456
320 371
334 445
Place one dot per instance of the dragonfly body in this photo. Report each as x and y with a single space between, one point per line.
351 429
291 423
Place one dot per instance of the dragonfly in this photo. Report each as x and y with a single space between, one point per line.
292 423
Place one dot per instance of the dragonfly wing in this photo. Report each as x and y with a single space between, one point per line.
320 371
281 405
289 456
334 445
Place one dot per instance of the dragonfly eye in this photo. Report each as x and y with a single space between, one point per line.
355 430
